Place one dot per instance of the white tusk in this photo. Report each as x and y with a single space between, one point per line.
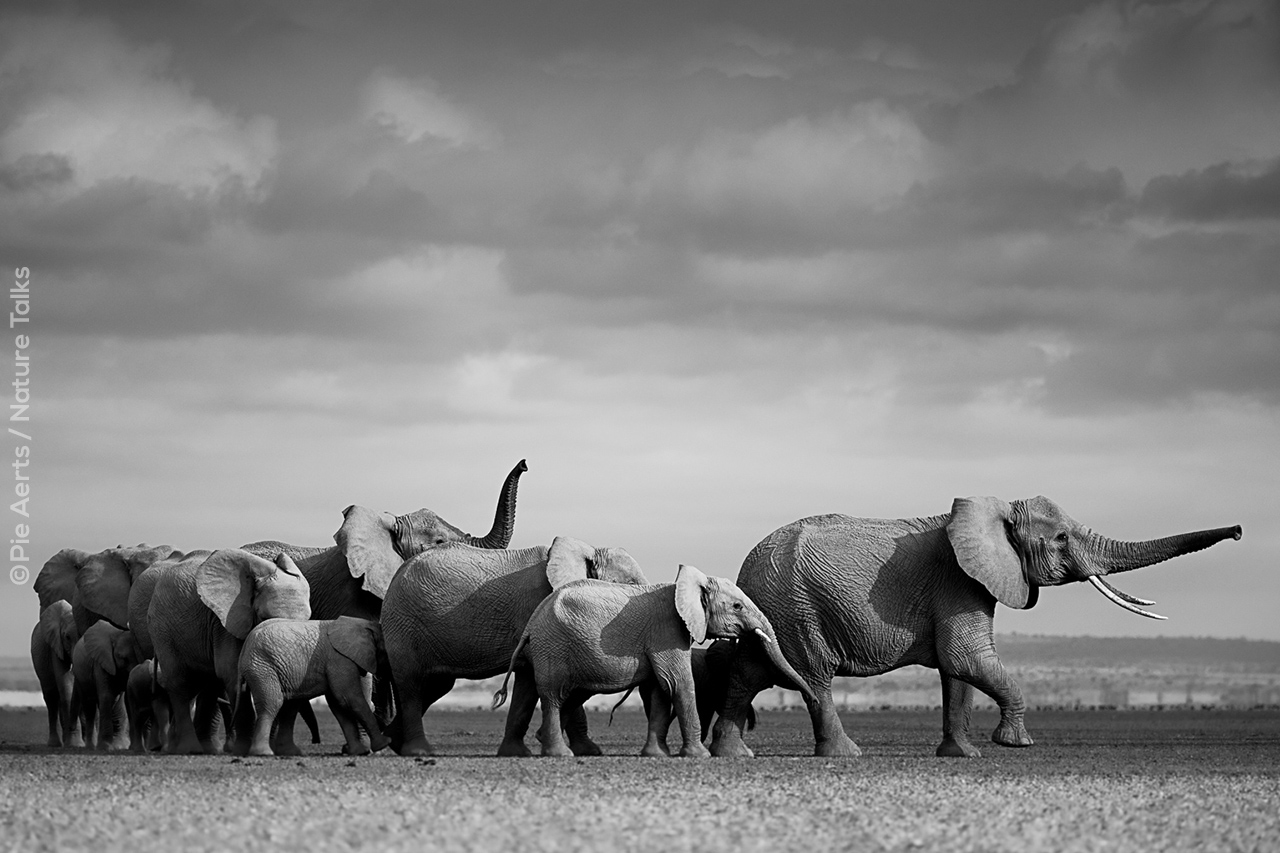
1132 599
1105 590
763 636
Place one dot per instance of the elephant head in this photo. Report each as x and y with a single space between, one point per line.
377 543
105 579
572 559
360 641
243 589
716 607
111 649
1015 548
57 578
58 630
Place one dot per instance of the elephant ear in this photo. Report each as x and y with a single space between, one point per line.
617 566
365 540
57 578
99 645
226 583
145 556
104 585
569 560
691 588
356 640
977 531
58 629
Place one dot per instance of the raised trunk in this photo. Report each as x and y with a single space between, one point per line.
1110 556
504 518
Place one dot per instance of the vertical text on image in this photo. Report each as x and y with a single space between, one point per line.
19 316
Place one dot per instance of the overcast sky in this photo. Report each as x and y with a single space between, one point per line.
710 267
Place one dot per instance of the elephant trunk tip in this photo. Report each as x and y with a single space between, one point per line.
1236 532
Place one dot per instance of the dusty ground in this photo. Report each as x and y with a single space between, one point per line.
1115 781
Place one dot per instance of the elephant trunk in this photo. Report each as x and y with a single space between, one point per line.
1110 556
504 518
768 640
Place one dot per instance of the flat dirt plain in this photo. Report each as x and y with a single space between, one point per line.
1096 780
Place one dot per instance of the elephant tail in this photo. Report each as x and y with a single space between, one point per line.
624 698
500 697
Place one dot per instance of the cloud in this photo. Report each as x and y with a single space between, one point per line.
1222 192
414 110
113 113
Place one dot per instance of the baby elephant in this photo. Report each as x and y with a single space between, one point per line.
590 637
286 659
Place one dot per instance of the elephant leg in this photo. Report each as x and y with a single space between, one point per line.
308 715
573 718
159 723
118 725
240 728
267 702
657 710
524 698
686 711
957 704
748 675
72 731
985 671
362 712
183 736
414 703
57 710
282 739
88 717
553 743
354 745
829 738
137 723
383 701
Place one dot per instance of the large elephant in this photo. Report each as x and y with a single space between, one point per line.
287 659
458 612
199 617
590 637
860 596
96 584
53 641
102 661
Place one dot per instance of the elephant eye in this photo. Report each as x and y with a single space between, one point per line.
1061 538
737 605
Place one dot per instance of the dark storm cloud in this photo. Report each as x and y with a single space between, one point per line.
1223 192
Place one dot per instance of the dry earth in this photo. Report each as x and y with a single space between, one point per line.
1096 780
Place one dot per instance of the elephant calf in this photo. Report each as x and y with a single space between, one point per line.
148 709
591 637
286 659
101 663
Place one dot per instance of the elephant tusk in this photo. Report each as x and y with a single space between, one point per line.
1132 599
1106 590
760 632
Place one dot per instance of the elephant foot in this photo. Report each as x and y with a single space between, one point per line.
1011 734
557 750
286 747
952 748
731 748
417 746
514 749
655 749
357 748
585 747
840 747
261 750
694 750
378 742
190 747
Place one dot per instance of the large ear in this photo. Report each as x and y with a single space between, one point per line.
979 538
58 629
145 556
104 585
355 640
617 566
57 578
569 560
226 582
99 645
365 539
691 585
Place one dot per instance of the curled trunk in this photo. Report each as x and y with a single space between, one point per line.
1110 556
768 640
504 518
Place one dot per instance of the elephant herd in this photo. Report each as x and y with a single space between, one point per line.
152 648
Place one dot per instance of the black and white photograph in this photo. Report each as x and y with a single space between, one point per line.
690 425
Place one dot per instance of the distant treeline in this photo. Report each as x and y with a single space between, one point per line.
1023 650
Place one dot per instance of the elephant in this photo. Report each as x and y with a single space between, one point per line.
53 641
457 612
199 618
863 596
101 662
147 706
97 585
590 637
285 659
